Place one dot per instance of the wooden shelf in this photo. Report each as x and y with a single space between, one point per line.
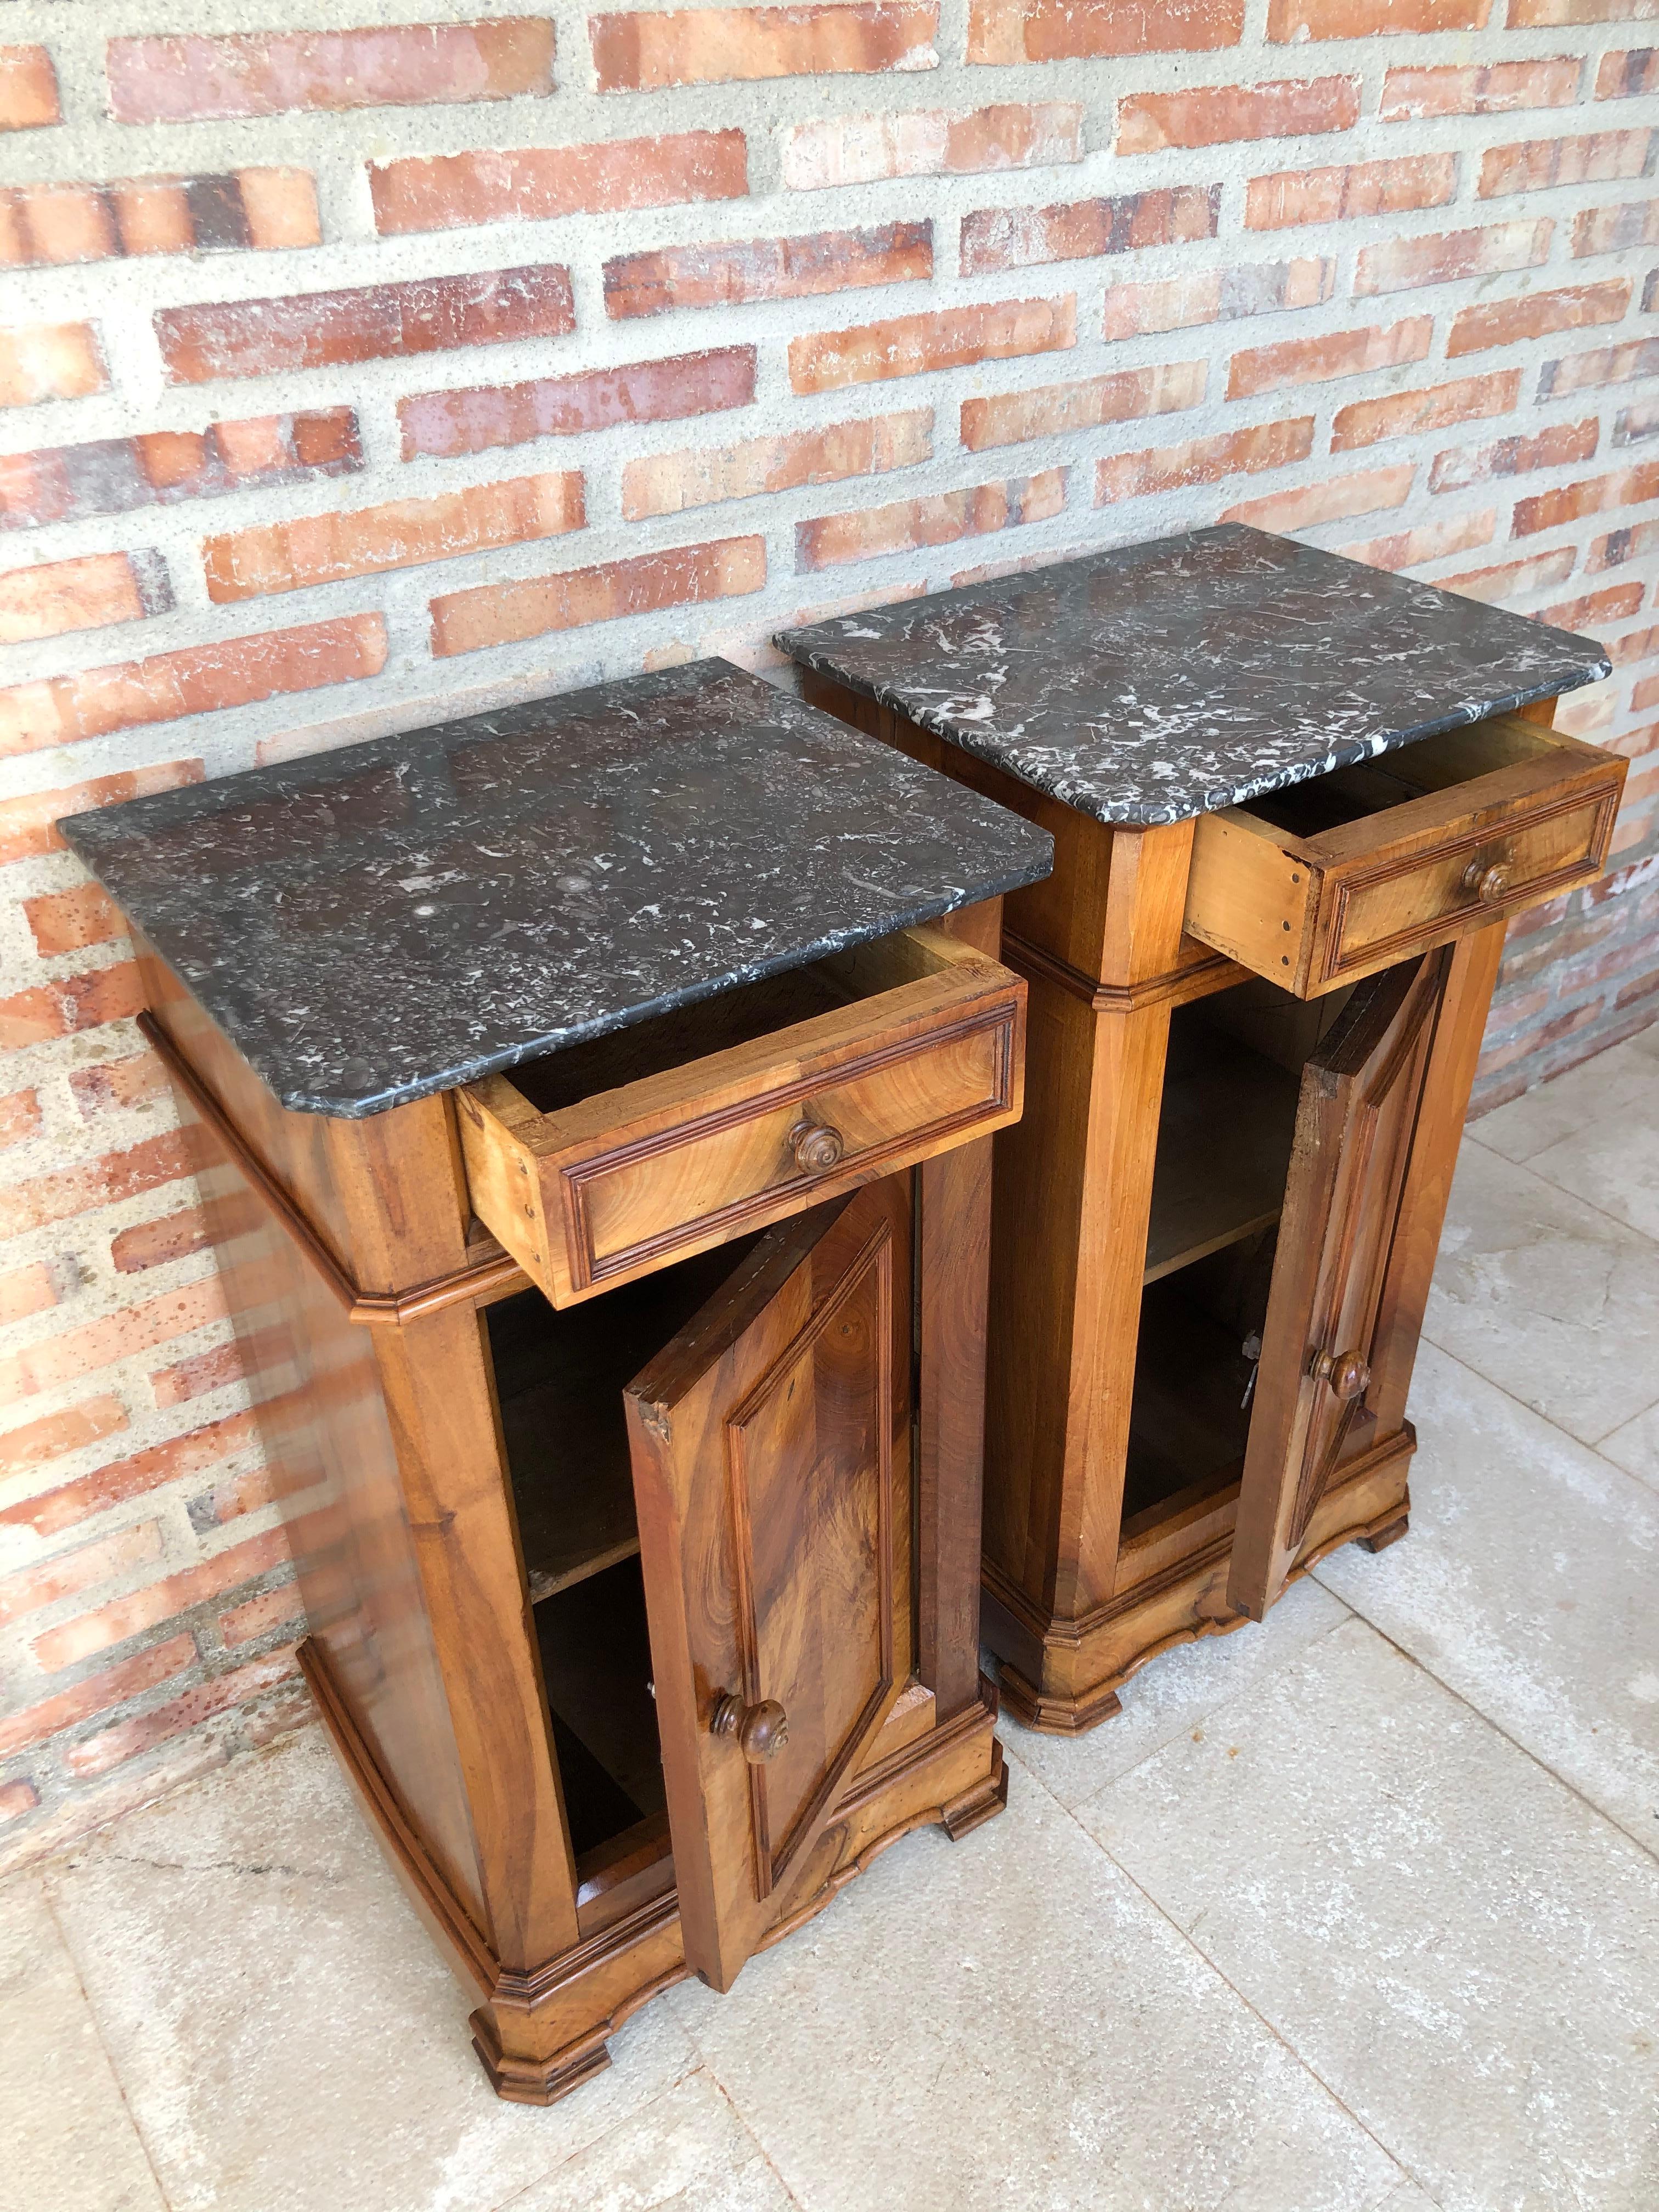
1224 1151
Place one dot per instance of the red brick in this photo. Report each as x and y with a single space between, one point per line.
831 541
1629 75
1615 229
206 1701
1635 645
111 476
993 239
668 484
1535 164
318 329
1050 410
857 149
1295 20
1218 295
910 345
36 1442
1512 578
1479 87
17 1798
187 79
321 548
1630 425
113 1083
30 1588
194 1377
1403 262
1633 543
1549 510
1589 613
1204 460
1644 695
200 679
71 1503
53 223
1583 372
163 1601
29 88
69 1005
1316 361
26 1291
689 575
69 1191
93 593
1562 442
1430 541
1213 115
733 271
154 1243
445 191
468 422
1401 413
1506 322
1329 501
19 1117
49 360
97 1693
28 824
59 1359
1349 190
1078 30
270 1609
646 52
1550 14
64 921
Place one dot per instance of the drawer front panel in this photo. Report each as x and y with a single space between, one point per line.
1407 904
720 1173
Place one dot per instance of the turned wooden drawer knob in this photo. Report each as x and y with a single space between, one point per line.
762 1730
1488 880
1346 1371
816 1145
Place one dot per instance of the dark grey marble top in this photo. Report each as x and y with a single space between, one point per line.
372 925
1160 681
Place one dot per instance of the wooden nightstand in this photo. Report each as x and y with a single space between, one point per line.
1293 801
593 1104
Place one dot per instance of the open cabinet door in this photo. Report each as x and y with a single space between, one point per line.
771 1447
1355 1118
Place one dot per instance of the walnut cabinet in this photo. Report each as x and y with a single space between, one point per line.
626 1414
1251 1041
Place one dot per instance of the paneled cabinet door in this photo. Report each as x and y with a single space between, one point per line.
771 1446
1355 1122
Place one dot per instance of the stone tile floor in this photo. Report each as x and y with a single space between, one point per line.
1357 1911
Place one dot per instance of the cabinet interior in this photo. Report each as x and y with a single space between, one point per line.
1373 787
559 1381
1226 1127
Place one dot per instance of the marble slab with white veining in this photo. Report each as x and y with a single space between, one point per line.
376 924
1160 681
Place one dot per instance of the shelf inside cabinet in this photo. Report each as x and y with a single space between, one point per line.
596 1664
559 1381
1224 1149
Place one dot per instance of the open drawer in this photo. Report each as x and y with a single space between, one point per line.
1329 880
596 1164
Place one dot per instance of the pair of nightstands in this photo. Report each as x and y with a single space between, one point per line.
595 1103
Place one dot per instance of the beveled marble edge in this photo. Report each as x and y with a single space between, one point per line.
350 1109
1347 755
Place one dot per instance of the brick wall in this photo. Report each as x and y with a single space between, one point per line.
349 374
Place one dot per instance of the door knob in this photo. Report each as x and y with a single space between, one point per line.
1346 1371
762 1730
816 1145
1488 880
